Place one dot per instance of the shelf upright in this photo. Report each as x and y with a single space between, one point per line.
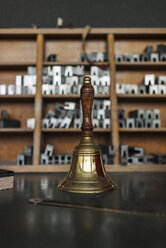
38 101
113 97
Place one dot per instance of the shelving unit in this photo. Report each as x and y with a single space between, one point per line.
20 48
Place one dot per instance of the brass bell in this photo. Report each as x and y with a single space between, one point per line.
87 173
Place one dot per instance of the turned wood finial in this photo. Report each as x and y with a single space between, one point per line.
87 95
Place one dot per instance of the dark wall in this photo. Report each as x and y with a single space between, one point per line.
96 13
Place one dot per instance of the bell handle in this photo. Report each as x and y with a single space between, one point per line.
87 95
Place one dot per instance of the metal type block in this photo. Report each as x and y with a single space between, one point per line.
78 70
51 113
141 89
130 160
149 49
19 80
100 89
77 123
140 113
130 123
139 123
58 71
101 122
49 150
156 124
68 158
121 113
3 89
100 57
163 57
52 123
61 158
44 159
162 158
154 57
106 123
148 159
50 160
106 104
149 79
45 89
62 89
138 160
52 89
107 113
20 159
31 123
95 123
123 151
4 114
45 123
161 48
111 150
28 150
52 57
56 90
148 123
127 88
119 57
31 70
128 58
120 88
24 90
133 89
162 89
145 57
101 114
138 151
67 120
136 57
149 114
105 57
124 160
106 90
153 90
122 123
68 71
56 159
69 105
156 114
162 80
28 159
105 80
96 72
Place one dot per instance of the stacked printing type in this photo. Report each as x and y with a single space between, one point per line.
63 80
151 86
27 157
149 55
69 114
142 118
136 155
25 84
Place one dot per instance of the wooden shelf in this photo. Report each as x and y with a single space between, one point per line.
71 96
35 45
140 97
143 130
16 130
76 63
17 97
18 64
140 65
73 130
65 168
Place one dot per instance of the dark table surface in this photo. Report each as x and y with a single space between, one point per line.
25 225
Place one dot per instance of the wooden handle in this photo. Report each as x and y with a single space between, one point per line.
87 95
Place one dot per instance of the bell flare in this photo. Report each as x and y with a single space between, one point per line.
87 173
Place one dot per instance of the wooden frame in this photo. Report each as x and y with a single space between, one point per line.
109 39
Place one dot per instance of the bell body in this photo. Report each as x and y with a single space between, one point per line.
87 173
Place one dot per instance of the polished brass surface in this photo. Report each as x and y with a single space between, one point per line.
87 173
